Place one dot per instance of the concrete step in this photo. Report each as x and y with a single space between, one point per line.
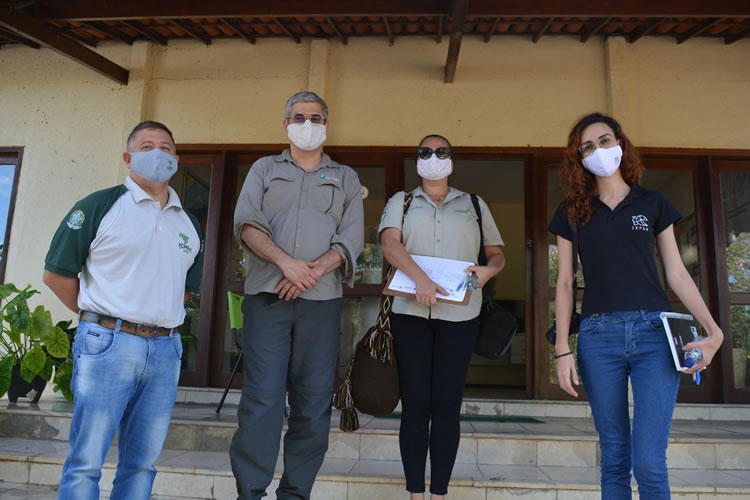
186 474
514 441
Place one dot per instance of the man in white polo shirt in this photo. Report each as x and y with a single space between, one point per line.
125 259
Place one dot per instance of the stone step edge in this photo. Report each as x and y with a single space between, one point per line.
353 478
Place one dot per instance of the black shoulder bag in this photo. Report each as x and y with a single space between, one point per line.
575 318
497 325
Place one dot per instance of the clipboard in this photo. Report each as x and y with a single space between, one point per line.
437 269
681 329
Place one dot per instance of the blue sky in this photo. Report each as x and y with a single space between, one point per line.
6 187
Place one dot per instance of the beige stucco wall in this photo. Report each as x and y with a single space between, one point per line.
509 92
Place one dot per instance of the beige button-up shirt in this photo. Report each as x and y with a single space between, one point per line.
305 213
449 230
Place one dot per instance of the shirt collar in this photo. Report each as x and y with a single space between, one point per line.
139 194
453 193
286 155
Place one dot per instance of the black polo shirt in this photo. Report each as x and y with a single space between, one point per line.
617 251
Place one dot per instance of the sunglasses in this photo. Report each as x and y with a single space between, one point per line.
441 153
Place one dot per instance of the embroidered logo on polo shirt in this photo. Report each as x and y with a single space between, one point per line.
76 219
640 223
184 243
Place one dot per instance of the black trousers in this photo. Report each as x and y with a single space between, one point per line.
433 357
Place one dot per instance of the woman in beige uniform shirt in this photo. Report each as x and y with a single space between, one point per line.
434 340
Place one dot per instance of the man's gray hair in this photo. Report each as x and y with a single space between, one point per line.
305 96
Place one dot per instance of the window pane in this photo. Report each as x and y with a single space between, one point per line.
677 186
237 258
735 187
740 326
7 173
554 198
370 261
192 183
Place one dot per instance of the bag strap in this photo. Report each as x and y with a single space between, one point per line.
482 258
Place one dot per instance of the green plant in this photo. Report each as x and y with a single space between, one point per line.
29 338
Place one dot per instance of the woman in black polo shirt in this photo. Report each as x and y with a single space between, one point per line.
621 334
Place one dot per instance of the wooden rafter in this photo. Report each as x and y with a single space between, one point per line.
544 29
286 30
236 28
14 37
154 37
492 30
336 30
698 29
112 33
193 31
440 29
458 21
72 34
739 36
637 34
586 36
28 27
388 30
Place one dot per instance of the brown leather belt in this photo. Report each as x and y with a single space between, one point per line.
126 326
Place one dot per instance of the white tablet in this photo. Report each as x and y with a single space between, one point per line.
681 329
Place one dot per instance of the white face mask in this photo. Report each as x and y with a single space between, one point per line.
603 162
155 165
434 168
307 136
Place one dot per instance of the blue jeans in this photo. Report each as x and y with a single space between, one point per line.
611 347
120 382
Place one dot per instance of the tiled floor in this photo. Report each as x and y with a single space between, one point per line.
15 491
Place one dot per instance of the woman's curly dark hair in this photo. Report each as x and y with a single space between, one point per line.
578 184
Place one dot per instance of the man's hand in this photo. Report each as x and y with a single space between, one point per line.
287 290
300 273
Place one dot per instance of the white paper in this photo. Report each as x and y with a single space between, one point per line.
447 273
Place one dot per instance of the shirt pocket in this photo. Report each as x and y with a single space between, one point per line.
328 196
281 193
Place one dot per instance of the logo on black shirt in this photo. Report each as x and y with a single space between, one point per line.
640 223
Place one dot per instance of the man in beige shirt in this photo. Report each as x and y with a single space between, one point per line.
300 219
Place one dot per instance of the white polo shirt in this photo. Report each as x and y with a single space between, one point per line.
138 260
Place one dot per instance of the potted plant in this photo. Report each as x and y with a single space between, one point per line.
31 347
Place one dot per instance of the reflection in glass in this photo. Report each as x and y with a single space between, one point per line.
192 184
370 262
735 187
358 314
554 197
740 331
7 173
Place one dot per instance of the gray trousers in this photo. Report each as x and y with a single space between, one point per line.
289 346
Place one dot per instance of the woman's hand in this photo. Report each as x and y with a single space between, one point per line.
567 374
708 347
426 289
483 274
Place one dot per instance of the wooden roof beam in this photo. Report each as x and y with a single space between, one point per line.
114 33
698 30
28 27
543 30
156 38
236 28
635 35
13 37
587 36
739 36
458 20
336 30
193 31
388 30
93 10
492 30
281 25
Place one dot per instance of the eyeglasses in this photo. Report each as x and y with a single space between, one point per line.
314 118
442 153
606 141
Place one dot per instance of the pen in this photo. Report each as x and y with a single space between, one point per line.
698 378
